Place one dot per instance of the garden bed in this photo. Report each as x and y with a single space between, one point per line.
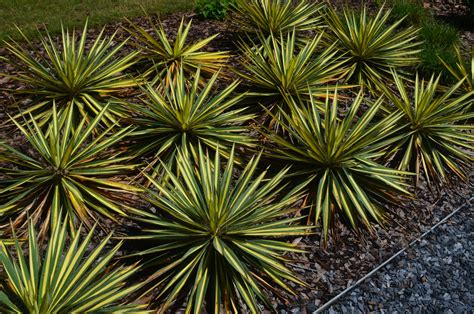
348 256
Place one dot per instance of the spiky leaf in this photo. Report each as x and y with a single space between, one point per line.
65 170
342 153
64 279
71 74
213 236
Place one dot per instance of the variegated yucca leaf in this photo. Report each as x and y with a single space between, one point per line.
71 74
188 114
64 278
4 240
65 169
435 138
278 68
213 238
277 16
461 71
163 55
370 45
342 154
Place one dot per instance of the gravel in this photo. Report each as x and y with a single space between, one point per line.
434 275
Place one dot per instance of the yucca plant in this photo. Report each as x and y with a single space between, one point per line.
213 237
64 280
277 16
71 74
187 114
165 55
434 138
461 71
342 154
370 46
279 69
65 170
